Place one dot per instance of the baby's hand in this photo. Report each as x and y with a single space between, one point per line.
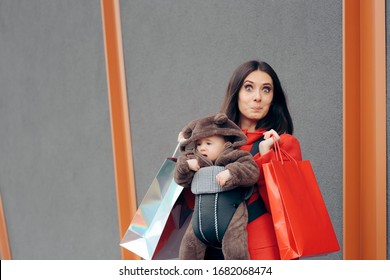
193 164
223 176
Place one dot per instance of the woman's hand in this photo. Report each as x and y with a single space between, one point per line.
267 144
180 137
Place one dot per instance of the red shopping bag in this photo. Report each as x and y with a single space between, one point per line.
301 220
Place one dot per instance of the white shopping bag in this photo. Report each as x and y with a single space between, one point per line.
158 218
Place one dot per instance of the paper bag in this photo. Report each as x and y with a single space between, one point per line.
158 213
301 220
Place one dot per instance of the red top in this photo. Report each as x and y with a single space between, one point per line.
287 142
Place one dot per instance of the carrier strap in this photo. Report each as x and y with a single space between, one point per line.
257 207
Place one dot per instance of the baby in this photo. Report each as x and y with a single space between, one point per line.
221 176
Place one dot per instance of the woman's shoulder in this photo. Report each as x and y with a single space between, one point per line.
289 140
288 137
291 144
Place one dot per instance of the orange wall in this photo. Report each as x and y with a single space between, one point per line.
364 127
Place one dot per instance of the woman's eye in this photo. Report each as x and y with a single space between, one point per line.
248 87
266 89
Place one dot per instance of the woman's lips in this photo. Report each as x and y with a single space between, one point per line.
257 108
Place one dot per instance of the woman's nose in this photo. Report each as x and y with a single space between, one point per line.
257 95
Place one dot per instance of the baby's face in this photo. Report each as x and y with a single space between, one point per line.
211 147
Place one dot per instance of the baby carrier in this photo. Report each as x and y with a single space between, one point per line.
214 205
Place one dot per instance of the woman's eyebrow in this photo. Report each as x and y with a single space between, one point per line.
263 84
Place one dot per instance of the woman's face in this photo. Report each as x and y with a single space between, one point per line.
255 98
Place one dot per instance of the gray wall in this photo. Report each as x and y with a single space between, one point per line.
56 167
179 57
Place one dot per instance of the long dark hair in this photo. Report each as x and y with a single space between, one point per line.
278 117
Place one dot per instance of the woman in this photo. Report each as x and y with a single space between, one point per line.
256 102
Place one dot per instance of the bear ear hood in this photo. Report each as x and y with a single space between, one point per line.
217 124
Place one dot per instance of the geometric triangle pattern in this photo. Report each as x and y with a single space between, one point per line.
147 225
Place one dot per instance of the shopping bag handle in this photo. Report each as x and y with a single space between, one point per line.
176 150
279 152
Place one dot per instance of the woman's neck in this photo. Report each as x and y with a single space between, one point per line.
248 125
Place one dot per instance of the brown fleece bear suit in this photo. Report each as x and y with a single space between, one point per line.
208 215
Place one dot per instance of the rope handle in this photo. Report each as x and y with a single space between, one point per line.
280 151
277 149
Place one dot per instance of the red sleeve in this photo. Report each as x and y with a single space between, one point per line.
288 143
291 145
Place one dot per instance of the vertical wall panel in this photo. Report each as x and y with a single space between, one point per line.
179 56
56 168
120 123
5 251
388 117
365 231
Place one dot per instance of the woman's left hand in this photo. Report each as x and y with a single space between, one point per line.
267 144
180 137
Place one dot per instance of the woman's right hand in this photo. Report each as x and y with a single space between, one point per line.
267 144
